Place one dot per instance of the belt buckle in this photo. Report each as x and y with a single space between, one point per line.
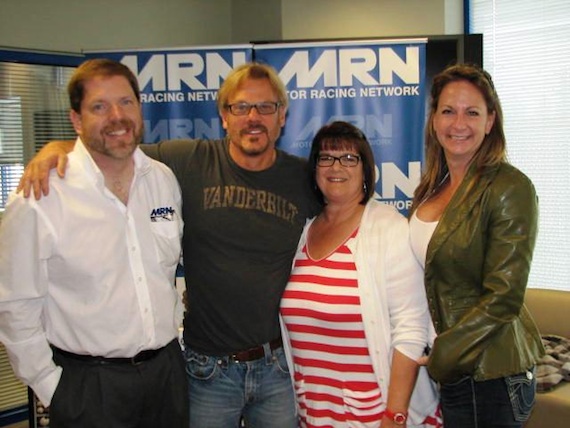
235 357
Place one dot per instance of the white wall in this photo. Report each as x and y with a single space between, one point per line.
76 25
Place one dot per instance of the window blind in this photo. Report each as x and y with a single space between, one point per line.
13 393
33 110
525 48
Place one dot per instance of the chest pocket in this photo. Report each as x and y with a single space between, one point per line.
167 238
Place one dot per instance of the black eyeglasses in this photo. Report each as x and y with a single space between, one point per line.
345 160
243 109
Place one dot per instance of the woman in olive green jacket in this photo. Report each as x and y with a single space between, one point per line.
473 227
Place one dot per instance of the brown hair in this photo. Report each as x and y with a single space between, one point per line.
93 68
493 148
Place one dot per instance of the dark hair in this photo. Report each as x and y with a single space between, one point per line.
343 135
493 148
93 68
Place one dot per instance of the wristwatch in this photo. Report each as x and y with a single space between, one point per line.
399 418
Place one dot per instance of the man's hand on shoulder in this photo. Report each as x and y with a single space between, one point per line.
36 175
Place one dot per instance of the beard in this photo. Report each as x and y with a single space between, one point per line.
109 141
254 144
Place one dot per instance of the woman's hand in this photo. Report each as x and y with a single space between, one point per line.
389 423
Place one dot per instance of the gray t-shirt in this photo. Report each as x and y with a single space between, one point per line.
240 236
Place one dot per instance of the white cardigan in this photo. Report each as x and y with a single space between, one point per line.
393 300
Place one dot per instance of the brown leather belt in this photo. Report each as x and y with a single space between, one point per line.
137 359
257 352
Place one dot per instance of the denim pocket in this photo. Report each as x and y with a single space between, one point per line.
457 395
522 392
200 366
281 361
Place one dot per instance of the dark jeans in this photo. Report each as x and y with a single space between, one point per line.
502 402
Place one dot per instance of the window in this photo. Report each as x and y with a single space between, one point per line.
525 48
11 148
33 110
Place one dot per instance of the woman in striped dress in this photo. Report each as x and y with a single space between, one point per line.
354 312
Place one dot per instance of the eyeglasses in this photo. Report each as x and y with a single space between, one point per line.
345 160
243 109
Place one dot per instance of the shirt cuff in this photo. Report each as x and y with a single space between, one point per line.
45 389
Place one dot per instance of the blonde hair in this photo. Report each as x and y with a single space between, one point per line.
251 70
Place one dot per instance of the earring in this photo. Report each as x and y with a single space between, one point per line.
364 187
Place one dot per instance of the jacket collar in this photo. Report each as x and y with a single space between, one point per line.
459 207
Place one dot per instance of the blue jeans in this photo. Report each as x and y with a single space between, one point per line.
224 392
502 402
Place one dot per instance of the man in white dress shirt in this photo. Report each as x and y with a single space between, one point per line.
88 310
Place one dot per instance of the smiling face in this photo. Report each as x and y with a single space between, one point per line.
461 121
340 184
253 136
110 118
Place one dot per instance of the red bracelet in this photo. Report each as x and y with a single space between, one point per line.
399 418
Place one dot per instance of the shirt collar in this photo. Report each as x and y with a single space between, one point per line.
83 157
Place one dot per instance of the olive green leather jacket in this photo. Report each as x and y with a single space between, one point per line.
477 267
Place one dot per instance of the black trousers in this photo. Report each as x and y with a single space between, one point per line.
150 394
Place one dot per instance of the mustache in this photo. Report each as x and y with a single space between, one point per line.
119 124
254 128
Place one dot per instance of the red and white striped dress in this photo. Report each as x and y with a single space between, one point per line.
335 383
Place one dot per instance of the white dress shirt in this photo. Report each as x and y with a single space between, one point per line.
82 271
